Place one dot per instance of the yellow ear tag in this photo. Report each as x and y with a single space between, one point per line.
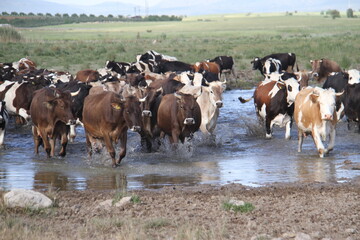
116 106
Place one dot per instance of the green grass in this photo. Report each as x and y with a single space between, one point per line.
74 47
247 207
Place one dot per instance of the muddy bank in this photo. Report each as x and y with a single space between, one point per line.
281 211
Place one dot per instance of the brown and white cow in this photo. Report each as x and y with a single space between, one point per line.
107 116
207 66
179 116
315 114
322 68
24 64
51 115
87 76
274 102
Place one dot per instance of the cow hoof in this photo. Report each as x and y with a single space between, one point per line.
268 136
115 165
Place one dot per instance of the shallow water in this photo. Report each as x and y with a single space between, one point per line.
240 154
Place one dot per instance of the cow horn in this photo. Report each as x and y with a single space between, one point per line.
177 95
339 94
75 93
143 99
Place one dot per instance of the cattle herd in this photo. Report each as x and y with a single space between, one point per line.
158 96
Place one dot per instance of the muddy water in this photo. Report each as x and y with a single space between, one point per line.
239 154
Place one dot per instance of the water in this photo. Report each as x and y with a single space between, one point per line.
240 154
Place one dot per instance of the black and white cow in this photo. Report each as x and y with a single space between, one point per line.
274 100
271 65
173 66
7 72
288 61
4 118
154 56
226 64
118 67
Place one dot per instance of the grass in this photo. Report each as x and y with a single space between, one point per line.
247 207
74 47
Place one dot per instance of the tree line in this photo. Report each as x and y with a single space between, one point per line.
37 20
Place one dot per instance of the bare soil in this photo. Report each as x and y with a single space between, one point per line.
282 211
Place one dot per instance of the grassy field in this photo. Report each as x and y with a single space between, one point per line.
89 45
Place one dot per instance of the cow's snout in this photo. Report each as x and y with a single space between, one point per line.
146 113
219 104
328 117
135 128
189 121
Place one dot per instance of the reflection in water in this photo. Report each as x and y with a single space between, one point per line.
235 156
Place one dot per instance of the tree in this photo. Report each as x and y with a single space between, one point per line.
14 14
333 13
22 14
58 15
4 14
350 13
74 15
48 15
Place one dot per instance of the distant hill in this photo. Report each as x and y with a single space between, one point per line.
185 7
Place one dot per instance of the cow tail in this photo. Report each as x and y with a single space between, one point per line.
242 100
297 67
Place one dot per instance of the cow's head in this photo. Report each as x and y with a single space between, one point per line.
315 67
256 63
354 76
132 113
290 82
326 98
60 107
187 107
215 93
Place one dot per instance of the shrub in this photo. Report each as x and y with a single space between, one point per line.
9 34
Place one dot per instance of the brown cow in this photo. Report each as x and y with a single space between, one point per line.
179 116
315 114
51 115
207 66
107 116
322 68
24 64
87 76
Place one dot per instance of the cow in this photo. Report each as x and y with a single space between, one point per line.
210 102
107 116
207 66
274 100
315 114
4 118
351 101
154 56
24 64
288 61
179 116
78 91
226 64
354 76
51 116
87 76
303 78
173 66
321 68
7 72
271 65
118 67
18 95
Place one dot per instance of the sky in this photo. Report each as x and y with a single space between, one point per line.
93 2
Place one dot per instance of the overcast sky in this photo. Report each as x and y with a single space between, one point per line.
93 2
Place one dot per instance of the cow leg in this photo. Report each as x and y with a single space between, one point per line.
123 141
52 146
300 140
332 139
64 142
37 139
268 128
46 143
288 130
175 136
318 143
88 144
2 134
110 148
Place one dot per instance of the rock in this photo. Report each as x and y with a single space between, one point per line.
123 202
289 235
106 204
236 202
26 198
302 236
350 230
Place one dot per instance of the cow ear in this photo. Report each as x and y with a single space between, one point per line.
116 106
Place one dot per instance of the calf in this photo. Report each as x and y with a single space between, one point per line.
322 68
274 100
179 116
4 118
107 116
315 114
51 116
